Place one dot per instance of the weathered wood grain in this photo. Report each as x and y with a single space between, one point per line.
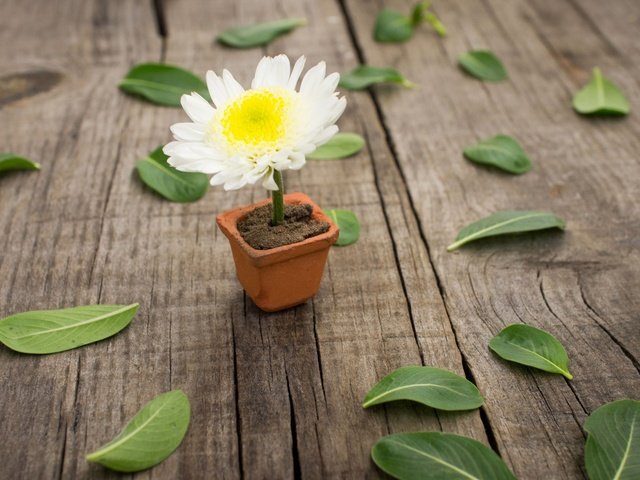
70 120
585 170
273 396
301 375
278 395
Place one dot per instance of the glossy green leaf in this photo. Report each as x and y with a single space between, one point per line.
433 387
10 161
612 451
532 347
162 84
150 437
52 331
347 223
259 34
600 97
508 221
483 64
364 76
392 27
437 456
342 145
172 184
502 151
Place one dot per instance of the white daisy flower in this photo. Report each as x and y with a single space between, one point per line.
247 135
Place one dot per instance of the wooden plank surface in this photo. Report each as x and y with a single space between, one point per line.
578 285
278 395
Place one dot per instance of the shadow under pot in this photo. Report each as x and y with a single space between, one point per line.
283 276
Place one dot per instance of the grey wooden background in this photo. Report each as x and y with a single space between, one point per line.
277 396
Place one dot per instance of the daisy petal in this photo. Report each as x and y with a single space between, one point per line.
192 150
202 166
329 84
198 109
233 87
281 69
188 132
269 183
216 89
326 135
337 111
297 160
296 72
235 184
313 78
261 70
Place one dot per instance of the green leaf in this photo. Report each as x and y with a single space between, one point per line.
501 151
600 97
347 223
150 437
258 34
342 145
508 221
365 76
437 456
52 331
10 161
162 84
433 387
612 450
172 184
392 27
483 64
532 347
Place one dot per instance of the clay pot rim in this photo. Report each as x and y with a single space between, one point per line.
227 221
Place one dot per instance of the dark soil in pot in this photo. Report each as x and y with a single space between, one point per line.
257 231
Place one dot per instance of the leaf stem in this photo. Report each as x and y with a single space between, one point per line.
277 199
437 25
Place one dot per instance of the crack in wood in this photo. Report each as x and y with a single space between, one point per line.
106 205
62 455
598 321
295 454
160 18
236 395
318 354
159 15
394 245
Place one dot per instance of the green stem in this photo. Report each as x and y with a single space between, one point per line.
437 25
277 198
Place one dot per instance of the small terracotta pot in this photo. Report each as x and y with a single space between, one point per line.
280 277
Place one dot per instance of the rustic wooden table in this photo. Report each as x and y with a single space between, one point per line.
277 396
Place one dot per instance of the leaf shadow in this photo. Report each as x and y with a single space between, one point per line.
404 412
522 369
15 173
495 170
541 240
600 118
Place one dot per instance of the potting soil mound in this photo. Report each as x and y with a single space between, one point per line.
257 231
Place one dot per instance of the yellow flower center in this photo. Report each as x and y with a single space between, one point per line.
257 119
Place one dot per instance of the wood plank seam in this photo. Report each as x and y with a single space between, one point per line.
236 395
